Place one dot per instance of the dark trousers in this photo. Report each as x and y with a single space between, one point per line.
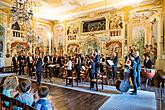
108 72
31 69
57 71
23 66
78 71
20 69
114 72
92 76
134 81
39 76
15 68
46 68
69 73
138 78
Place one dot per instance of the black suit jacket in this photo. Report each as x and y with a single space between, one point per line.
46 59
20 60
28 60
14 61
148 64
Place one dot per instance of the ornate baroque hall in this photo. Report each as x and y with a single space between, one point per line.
82 54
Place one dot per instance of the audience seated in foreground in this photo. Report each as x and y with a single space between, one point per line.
43 102
25 96
9 87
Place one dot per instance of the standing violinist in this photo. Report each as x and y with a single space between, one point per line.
138 60
133 74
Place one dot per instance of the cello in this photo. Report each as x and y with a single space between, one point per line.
124 85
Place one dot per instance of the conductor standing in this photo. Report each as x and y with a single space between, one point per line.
38 68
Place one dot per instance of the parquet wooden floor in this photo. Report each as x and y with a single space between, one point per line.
68 99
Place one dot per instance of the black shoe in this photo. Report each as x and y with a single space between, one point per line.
138 88
133 93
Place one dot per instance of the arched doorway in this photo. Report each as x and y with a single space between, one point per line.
2 45
90 44
114 46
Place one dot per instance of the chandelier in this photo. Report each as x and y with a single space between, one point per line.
21 12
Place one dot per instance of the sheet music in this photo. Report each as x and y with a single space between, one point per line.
110 62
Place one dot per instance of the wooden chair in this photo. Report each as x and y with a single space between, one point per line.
17 103
3 99
13 103
72 78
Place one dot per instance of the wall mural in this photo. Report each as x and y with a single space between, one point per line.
114 46
95 25
59 34
72 28
41 36
19 47
138 35
72 49
115 25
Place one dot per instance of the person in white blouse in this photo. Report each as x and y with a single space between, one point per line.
69 68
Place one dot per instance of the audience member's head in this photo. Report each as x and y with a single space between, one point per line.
11 82
25 86
43 91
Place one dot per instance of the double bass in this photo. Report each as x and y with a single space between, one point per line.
124 85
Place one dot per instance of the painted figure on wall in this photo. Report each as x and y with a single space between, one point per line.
116 22
115 46
95 25
73 49
72 28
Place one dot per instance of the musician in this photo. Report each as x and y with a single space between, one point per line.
114 67
102 63
92 71
147 62
69 68
97 61
55 59
30 61
23 62
47 61
14 60
78 65
20 61
108 66
138 69
133 74
38 68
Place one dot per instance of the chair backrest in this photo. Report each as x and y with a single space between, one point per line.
4 98
17 103
13 103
